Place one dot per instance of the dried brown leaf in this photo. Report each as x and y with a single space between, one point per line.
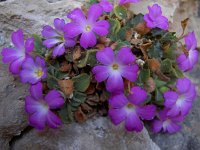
80 116
153 64
77 54
150 85
142 29
66 86
90 90
65 67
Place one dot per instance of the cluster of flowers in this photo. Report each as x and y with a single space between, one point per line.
116 69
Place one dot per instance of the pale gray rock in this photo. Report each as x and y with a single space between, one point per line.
95 134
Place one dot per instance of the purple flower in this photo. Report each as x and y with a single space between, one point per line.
114 68
39 107
155 19
122 2
56 38
130 109
33 71
106 5
166 123
189 58
180 102
87 27
17 55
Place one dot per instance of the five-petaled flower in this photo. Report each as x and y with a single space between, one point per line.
106 5
18 54
166 123
87 27
189 58
131 109
33 71
40 108
114 68
180 102
155 19
56 38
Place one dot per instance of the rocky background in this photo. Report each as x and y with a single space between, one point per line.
97 133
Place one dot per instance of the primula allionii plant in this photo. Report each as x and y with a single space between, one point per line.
108 61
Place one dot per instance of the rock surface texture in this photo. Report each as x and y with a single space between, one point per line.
97 133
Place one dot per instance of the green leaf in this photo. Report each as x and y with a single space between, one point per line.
114 26
120 12
159 83
135 21
81 82
170 53
163 89
66 113
144 75
122 44
156 51
89 59
166 66
39 48
52 83
93 1
177 72
159 97
78 99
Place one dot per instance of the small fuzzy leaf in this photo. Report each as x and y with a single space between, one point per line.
136 20
166 66
89 59
66 114
78 99
39 48
120 12
159 83
81 82
144 75
156 51
159 97
114 26
52 83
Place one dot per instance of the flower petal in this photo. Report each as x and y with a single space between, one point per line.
118 101
18 39
59 24
28 76
94 13
173 127
88 39
147 112
174 111
130 72
49 43
101 28
106 5
15 66
157 126
137 96
183 85
73 29
36 91
59 50
29 44
125 56
191 41
49 32
38 120
170 98
69 42
193 57
133 123
115 82
77 16
54 99
101 73
11 54
105 56
117 115
31 105
53 120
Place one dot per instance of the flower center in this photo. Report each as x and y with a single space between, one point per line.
115 66
44 106
88 28
130 106
180 100
39 73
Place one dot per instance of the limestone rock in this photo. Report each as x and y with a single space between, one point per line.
95 134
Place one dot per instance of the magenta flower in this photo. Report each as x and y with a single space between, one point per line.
166 123
16 56
106 5
39 107
87 27
33 71
122 2
131 110
188 59
56 38
155 19
114 68
180 102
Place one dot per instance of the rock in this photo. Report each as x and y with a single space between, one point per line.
97 133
